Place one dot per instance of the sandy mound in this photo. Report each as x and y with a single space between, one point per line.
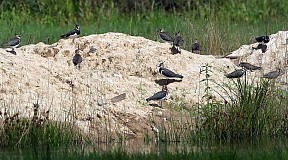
122 64
275 56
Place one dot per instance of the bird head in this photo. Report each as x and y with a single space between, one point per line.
177 33
161 30
18 36
77 27
161 64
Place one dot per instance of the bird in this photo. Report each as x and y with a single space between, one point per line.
178 41
159 96
77 58
13 42
273 74
249 66
196 47
261 46
72 34
175 50
264 39
236 74
165 36
168 73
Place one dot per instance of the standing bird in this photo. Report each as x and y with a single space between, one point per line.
168 73
236 74
273 74
249 66
77 59
72 34
165 36
175 50
178 41
13 43
196 47
159 96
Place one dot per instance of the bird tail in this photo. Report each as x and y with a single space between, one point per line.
179 76
258 68
63 36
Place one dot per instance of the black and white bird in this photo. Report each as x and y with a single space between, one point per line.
77 58
264 39
175 50
196 47
273 74
236 74
168 73
249 66
72 34
165 36
159 96
13 43
178 40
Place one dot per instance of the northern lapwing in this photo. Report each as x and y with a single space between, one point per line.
273 74
13 43
165 36
264 39
196 47
175 50
168 73
178 40
72 34
249 66
261 46
236 74
159 96
77 58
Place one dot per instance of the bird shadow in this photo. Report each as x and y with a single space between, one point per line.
155 105
165 82
12 52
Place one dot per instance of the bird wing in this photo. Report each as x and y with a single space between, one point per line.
158 96
272 74
165 36
13 42
196 46
260 38
178 41
235 74
168 73
73 32
77 59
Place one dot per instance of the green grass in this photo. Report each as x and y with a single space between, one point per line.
276 149
249 115
39 130
217 37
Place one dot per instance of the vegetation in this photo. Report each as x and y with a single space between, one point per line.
220 26
251 111
16 131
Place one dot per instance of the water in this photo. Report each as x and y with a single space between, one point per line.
268 149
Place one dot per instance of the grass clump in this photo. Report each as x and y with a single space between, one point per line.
36 131
253 111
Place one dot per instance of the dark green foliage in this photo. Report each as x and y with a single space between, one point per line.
253 10
37 131
252 111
